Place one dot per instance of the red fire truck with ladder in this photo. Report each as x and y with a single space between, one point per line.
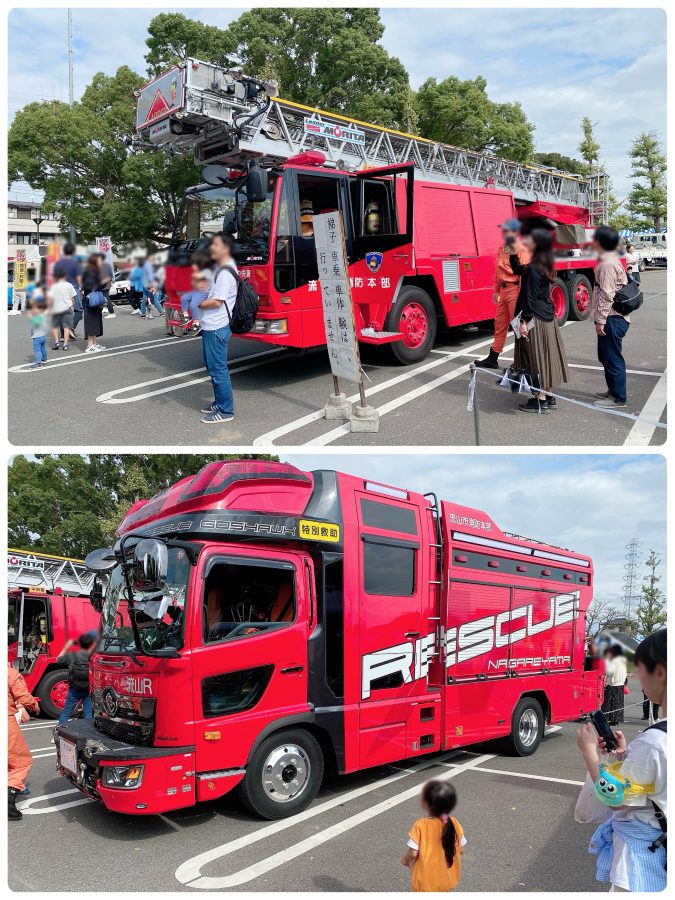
284 623
47 603
421 218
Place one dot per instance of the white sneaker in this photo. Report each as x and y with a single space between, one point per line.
98 348
148 316
135 312
90 350
112 315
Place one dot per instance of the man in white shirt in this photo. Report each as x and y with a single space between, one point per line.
214 318
60 298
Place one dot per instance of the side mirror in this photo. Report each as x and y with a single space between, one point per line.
96 596
256 184
230 223
151 563
101 561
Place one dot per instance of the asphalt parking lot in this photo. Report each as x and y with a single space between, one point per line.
517 815
146 389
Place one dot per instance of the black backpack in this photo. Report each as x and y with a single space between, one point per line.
628 298
245 309
658 812
79 671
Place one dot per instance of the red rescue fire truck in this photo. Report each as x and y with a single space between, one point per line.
421 218
48 603
286 622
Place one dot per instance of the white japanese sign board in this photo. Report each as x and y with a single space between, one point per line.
338 312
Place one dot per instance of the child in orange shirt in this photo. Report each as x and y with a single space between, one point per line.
435 843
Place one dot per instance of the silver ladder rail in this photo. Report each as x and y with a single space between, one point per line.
220 126
38 570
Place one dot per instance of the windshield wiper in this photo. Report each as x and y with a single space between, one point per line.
132 655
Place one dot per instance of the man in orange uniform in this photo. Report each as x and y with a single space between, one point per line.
506 290
19 759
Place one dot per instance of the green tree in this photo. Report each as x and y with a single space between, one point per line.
461 113
128 193
650 614
648 201
69 504
326 57
561 162
172 37
589 147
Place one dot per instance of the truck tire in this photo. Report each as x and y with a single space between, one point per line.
414 315
527 728
580 291
283 775
642 265
52 691
561 300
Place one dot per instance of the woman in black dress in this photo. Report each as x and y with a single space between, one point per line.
539 350
93 317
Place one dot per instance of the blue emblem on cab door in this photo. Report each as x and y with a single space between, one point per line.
374 261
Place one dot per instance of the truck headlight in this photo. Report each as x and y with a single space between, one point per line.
270 326
122 776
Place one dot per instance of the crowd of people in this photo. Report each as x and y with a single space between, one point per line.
525 273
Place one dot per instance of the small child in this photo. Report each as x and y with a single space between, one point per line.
39 329
189 303
435 843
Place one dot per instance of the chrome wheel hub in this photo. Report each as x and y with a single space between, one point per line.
528 727
285 773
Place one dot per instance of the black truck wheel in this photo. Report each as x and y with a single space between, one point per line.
527 728
561 302
52 692
414 315
580 298
283 775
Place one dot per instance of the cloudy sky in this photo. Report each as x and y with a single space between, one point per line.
593 504
561 64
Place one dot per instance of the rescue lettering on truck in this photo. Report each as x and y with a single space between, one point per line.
421 218
340 625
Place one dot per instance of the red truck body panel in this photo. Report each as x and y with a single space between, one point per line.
449 254
415 627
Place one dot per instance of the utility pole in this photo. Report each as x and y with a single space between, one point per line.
631 580
72 234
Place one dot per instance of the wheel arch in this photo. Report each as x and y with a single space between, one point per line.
543 700
305 721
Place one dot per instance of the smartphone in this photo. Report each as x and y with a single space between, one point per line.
602 727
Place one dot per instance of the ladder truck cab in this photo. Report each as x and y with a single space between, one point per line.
421 218
47 604
285 623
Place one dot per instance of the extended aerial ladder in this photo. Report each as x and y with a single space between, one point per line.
223 116
40 571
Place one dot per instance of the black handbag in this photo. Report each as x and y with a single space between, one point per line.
628 298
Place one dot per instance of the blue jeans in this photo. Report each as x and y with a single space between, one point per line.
214 347
73 698
611 357
40 349
154 299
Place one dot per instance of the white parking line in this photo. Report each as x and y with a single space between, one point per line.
447 356
44 755
106 354
113 396
190 869
527 775
26 806
642 432
189 872
35 727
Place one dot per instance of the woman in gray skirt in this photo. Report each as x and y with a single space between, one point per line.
539 350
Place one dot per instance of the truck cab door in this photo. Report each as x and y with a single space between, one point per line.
382 221
250 624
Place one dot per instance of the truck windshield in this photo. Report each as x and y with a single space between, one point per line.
116 632
201 216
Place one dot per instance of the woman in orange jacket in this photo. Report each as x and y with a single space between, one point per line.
19 759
